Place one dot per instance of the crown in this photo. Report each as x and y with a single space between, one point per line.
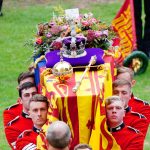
74 46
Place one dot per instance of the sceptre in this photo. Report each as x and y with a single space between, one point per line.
78 83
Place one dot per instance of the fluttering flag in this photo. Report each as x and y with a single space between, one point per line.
124 25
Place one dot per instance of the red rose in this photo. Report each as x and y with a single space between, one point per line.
90 35
39 41
56 45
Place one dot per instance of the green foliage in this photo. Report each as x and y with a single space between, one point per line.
19 25
58 10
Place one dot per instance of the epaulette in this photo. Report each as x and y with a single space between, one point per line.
24 133
140 100
138 114
133 129
12 121
12 106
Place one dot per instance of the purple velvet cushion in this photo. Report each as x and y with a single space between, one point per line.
52 58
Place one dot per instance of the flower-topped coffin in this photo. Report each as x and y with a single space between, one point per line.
56 33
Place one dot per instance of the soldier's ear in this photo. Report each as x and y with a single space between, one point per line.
124 113
19 100
133 82
70 141
17 87
29 113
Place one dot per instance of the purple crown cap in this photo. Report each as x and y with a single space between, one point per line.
74 46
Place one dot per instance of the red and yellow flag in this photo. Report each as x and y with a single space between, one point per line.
124 25
82 111
101 138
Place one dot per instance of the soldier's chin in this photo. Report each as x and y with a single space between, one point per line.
39 122
114 121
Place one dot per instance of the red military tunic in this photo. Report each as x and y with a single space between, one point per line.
127 137
27 140
136 120
11 112
140 106
16 127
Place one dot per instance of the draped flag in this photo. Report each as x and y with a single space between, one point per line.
101 138
124 25
82 111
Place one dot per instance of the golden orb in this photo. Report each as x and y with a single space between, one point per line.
62 71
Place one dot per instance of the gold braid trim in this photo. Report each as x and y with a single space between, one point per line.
101 67
38 60
109 53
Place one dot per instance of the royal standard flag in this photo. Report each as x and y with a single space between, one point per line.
124 25
101 138
82 111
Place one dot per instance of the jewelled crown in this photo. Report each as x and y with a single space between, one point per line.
74 46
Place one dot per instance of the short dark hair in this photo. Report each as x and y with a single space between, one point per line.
82 146
26 85
25 75
39 98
